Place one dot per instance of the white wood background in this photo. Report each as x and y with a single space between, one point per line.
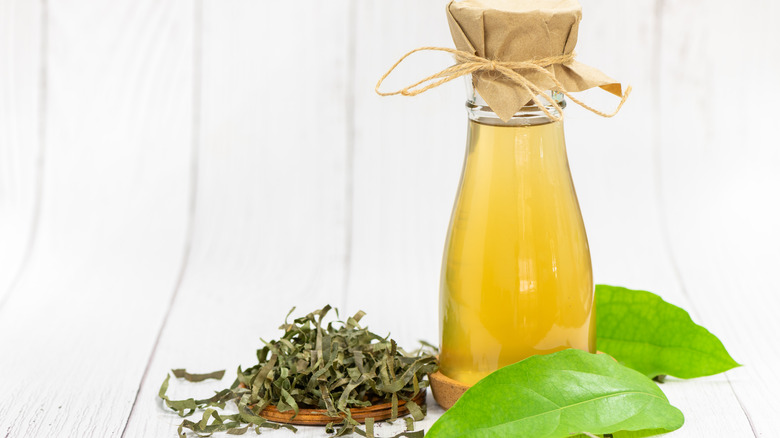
175 175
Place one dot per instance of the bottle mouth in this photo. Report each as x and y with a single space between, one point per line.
530 114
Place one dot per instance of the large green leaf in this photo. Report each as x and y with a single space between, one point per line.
557 395
648 334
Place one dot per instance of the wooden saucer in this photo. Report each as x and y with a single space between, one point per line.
319 417
446 391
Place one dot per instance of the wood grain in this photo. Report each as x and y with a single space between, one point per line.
76 332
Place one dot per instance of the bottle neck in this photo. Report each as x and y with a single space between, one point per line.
530 115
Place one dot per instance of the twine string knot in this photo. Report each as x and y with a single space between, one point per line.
468 63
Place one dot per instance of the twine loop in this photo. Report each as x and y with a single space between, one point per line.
468 63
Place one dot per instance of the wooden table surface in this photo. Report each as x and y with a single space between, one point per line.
176 175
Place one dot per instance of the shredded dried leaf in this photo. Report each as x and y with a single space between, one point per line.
335 366
183 374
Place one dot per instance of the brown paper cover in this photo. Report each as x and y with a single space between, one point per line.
522 30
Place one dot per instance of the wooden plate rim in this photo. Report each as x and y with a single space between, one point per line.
319 417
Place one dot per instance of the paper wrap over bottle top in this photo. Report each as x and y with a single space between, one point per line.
522 30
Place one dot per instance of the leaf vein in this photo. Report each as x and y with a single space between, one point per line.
614 394
665 347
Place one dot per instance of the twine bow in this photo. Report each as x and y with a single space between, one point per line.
467 63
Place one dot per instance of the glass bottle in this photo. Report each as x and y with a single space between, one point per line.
516 274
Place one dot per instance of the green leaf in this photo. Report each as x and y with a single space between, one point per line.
558 395
654 337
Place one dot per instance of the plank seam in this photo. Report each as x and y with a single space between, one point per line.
742 406
193 192
349 161
657 165
39 167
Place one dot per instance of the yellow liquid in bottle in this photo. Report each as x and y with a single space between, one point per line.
516 276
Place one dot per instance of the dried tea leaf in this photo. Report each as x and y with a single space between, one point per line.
415 411
238 430
183 374
334 366
185 408
426 344
204 428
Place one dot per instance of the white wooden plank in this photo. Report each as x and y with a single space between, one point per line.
408 157
611 159
613 164
270 224
20 95
719 161
76 333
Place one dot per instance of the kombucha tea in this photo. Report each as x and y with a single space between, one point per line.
516 275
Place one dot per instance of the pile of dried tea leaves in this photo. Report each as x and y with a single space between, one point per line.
333 367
